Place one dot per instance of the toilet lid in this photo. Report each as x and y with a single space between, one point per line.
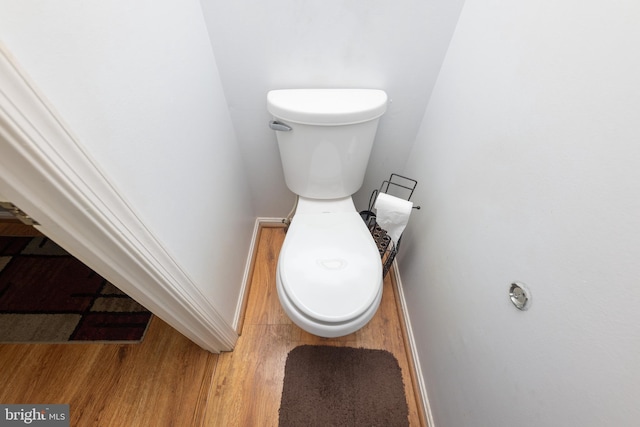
329 265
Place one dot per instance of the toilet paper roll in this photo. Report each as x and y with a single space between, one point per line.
392 215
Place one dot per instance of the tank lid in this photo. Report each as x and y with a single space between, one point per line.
327 106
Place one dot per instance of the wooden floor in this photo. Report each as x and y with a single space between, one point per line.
169 381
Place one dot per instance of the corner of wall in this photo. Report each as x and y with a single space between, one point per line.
248 269
411 347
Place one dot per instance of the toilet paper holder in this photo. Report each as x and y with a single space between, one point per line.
397 186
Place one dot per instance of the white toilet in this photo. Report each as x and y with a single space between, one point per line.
329 275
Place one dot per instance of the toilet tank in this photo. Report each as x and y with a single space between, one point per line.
325 137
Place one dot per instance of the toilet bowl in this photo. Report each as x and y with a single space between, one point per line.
329 274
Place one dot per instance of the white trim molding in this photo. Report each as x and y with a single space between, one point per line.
249 265
48 174
412 345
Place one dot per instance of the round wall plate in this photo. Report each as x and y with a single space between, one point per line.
519 295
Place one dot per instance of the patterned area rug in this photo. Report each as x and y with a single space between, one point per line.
46 295
342 386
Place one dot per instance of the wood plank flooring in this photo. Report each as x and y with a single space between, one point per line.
169 381
248 381
154 383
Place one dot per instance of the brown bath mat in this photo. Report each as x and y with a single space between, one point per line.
342 386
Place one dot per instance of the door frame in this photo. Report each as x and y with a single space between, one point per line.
46 172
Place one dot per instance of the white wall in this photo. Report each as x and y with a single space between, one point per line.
138 84
261 46
528 166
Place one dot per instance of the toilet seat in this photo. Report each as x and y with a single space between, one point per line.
329 270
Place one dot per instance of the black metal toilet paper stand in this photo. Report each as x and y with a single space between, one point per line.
397 186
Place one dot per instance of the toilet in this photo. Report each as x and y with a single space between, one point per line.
329 273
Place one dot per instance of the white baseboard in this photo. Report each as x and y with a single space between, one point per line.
412 346
248 268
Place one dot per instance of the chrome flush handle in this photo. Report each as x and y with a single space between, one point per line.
279 126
